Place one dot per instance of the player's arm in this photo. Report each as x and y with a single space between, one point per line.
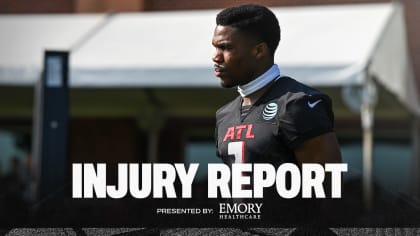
320 149
308 128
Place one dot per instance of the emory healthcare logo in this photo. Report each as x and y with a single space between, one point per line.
270 111
240 211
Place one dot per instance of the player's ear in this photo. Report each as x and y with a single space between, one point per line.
261 50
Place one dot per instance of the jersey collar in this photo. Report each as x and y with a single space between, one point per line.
261 81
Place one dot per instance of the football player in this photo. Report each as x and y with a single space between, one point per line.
275 119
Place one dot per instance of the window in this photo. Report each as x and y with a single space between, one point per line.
14 150
202 152
391 164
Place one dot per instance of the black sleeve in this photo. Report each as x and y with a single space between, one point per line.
306 117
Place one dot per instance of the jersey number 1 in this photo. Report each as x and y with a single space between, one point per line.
237 149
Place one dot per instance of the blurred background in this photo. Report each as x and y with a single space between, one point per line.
141 87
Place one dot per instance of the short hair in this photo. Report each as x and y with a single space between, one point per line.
255 20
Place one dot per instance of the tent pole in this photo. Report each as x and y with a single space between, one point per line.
152 118
367 118
415 157
152 156
367 112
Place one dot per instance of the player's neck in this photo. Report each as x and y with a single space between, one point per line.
253 90
256 87
252 98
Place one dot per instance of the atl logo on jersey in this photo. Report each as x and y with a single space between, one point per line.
237 132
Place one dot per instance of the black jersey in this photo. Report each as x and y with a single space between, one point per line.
288 114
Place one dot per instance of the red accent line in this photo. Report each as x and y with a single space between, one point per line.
243 161
243 152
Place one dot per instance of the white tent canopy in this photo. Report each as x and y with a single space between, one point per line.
336 46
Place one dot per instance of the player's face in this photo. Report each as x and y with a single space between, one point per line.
234 57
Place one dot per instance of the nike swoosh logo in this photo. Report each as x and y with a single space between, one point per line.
312 105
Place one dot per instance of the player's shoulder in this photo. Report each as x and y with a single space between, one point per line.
287 90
